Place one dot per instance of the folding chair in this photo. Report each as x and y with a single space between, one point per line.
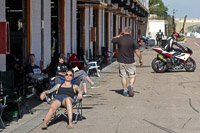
92 65
77 104
2 107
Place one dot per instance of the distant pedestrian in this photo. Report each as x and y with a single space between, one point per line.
159 37
127 46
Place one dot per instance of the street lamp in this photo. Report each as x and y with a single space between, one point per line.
173 20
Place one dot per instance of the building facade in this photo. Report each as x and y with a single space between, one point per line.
50 27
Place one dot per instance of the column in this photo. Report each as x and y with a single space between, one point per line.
100 30
35 29
90 25
74 27
67 27
87 31
2 19
47 32
110 33
117 24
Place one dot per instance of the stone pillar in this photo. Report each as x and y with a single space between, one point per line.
67 25
2 19
74 26
117 24
131 25
134 27
47 32
123 23
110 34
35 32
87 31
101 27
90 25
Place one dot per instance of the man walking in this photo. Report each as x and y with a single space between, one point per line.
127 46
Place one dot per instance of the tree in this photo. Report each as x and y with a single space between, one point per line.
157 6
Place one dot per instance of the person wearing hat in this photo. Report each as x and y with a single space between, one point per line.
79 75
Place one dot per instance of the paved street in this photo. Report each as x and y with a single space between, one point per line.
163 103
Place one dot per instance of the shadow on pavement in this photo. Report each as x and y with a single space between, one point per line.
120 92
64 119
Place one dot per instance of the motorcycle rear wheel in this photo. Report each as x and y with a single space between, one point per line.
158 66
190 65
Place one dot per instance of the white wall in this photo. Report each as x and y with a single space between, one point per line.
154 26
2 19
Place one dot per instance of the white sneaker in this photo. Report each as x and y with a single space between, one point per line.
86 95
94 86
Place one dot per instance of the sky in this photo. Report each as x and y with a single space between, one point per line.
191 8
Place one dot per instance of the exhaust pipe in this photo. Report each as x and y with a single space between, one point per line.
161 58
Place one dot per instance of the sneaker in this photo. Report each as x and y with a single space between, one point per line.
130 89
124 93
94 86
86 95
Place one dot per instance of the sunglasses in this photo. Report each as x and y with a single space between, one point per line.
68 75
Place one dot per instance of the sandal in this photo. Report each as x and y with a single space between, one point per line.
69 127
44 127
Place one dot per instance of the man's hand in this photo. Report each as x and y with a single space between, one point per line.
139 56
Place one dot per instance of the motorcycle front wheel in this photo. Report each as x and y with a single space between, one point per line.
158 66
190 65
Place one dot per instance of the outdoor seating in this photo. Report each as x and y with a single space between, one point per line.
73 60
77 104
107 55
92 65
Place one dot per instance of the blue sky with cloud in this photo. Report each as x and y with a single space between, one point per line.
191 8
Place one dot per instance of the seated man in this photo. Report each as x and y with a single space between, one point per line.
34 72
80 75
64 97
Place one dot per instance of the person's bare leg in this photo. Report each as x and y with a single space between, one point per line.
68 104
89 80
132 81
124 83
84 87
53 107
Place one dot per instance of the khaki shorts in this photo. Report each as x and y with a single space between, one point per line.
127 70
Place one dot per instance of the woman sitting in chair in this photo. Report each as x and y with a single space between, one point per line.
64 97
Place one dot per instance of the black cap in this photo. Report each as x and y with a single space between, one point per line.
62 56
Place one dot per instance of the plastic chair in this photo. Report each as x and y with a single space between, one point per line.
92 65
2 107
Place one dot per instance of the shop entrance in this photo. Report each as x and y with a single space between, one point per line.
14 17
